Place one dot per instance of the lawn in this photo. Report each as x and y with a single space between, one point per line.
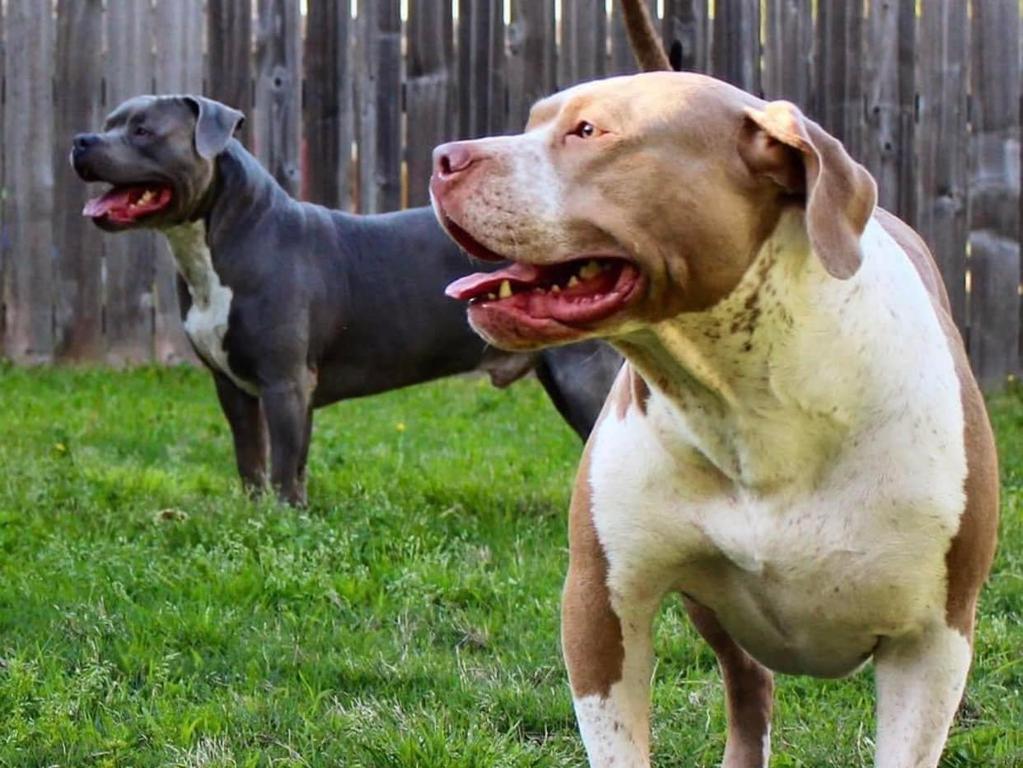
150 615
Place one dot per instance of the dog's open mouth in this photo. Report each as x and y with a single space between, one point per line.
128 203
529 306
578 292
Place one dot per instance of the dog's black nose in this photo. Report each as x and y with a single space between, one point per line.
83 141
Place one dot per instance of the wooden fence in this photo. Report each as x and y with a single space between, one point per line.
346 98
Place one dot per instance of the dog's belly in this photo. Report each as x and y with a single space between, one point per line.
824 622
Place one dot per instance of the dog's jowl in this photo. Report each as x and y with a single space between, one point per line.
292 306
796 444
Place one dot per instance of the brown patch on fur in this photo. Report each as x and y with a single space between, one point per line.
640 390
591 633
749 690
645 44
629 389
972 550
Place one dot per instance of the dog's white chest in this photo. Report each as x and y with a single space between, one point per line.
207 319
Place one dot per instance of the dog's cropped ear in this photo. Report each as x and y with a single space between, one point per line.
215 125
802 158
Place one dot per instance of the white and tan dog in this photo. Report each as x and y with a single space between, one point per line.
796 443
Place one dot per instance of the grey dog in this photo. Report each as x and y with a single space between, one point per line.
290 305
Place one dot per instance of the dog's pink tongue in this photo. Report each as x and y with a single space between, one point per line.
471 286
117 198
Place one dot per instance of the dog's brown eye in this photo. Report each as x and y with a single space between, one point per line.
584 130
141 131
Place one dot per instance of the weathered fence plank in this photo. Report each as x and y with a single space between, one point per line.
686 33
890 96
327 116
378 91
429 91
735 55
942 193
28 130
78 302
481 68
583 47
839 87
3 193
275 123
229 53
788 51
129 258
179 69
995 191
532 58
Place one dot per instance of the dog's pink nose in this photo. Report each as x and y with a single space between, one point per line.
451 158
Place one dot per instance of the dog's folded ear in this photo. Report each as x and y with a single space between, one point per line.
802 158
215 125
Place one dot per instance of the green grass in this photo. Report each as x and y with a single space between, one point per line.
151 616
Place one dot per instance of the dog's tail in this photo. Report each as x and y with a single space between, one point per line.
646 45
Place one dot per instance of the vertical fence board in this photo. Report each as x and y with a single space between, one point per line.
839 87
3 195
994 191
942 174
532 58
229 53
735 56
79 249
129 257
788 51
379 95
327 118
888 88
179 69
429 90
583 42
28 130
481 68
278 91
686 34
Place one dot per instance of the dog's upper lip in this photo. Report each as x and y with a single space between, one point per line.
467 242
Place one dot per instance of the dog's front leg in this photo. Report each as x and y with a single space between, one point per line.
286 404
749 692
248 430
608 649
920 681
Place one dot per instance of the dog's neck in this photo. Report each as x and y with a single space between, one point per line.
769 383
241 192
194 261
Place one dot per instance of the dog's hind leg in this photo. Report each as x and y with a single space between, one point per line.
920 681
749 693
248 430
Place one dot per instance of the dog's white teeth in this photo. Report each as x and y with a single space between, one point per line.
148 196
555 288
573 281
589 270
505 290
491 297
